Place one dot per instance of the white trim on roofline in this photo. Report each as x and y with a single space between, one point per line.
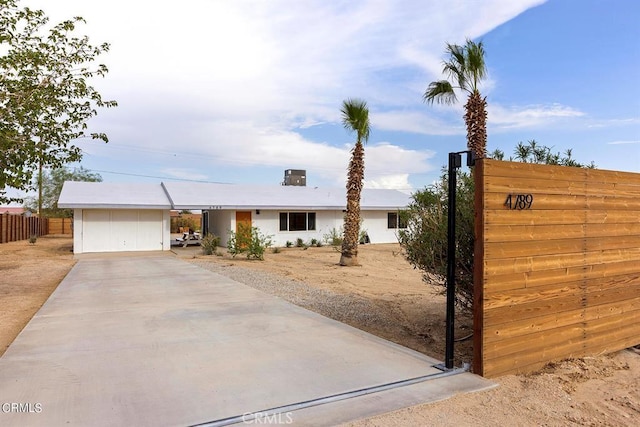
204 196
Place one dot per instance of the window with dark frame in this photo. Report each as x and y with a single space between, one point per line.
395 220
392 220
402 220
284 221
311 221
297 221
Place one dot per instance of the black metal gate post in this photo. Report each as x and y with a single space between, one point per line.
455 162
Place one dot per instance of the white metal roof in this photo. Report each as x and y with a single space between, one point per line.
233 196
183 195
108 195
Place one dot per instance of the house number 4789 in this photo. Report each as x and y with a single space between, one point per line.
519 201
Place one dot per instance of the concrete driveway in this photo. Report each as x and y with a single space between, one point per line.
153 340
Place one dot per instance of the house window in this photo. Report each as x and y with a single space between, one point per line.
396 220
297 221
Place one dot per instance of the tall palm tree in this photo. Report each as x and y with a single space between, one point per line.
465 69
355 118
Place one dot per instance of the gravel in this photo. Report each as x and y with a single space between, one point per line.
348 308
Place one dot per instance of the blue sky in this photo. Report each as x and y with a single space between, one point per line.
238 91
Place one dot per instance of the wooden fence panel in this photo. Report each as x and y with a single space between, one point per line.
557 270
18 227
61 226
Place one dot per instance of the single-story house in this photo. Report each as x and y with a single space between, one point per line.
112 217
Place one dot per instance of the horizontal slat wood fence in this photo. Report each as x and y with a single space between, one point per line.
559 278
61 226
18 227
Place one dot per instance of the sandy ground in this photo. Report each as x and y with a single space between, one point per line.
599 391
28 275
406 310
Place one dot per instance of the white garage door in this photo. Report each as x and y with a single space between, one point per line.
121 230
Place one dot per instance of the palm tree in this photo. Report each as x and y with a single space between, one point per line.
355 118
465 69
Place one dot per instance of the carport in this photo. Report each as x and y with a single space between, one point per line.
126 340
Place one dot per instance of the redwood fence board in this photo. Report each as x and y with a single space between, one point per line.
557 274
18 227
61 226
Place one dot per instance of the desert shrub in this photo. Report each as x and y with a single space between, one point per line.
276 250
209 243
248 240
289 244
313 242
300 242
424 241
334 237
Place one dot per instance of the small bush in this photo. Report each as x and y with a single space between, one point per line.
424 241
248 240
209 243
334 237
289 244
300 243
314 242
276 250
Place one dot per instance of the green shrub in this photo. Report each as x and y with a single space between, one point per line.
248 240
424 241
209 244
289 244
314 242
300 243
334 237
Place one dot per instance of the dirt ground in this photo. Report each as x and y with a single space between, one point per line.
593 391
28 275
406 310
598 391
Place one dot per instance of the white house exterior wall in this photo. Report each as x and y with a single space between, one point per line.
220 222
375 223
269 224
268 221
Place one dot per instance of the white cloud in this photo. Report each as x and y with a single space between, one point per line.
622 142
245 144
416 122
236 80
185 174
501 118
614 123
395 182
